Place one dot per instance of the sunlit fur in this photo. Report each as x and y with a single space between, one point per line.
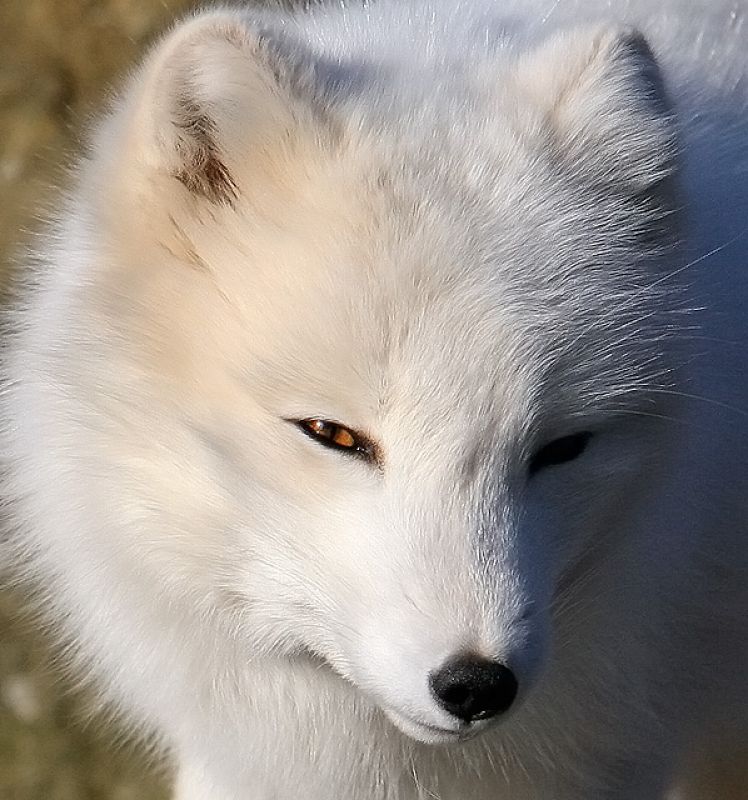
463 230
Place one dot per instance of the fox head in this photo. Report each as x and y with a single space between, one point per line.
384 345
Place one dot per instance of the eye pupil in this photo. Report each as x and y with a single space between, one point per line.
559 451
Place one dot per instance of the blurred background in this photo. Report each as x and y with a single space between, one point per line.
58 60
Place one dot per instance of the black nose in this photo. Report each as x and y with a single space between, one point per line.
473 688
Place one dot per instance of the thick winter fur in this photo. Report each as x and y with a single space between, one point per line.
465 230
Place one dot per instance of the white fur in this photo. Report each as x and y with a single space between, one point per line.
466 229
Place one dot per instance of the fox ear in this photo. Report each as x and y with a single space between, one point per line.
602 94
216 99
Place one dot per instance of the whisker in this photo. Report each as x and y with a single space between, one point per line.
688 396
630 299
632 412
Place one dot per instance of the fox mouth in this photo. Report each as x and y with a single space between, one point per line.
434 734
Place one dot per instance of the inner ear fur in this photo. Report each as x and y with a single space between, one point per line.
219 97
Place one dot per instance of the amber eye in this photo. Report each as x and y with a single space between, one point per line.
337 436
559 451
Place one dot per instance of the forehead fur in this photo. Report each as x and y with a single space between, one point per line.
290 231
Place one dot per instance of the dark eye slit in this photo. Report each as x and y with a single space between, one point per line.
559 451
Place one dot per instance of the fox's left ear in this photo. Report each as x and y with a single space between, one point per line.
602 95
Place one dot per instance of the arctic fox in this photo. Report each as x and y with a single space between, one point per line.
375 417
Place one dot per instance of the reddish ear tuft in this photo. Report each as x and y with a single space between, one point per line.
215 97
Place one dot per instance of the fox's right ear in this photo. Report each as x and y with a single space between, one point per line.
606 107
216 105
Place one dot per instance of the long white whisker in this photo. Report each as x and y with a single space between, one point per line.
630 299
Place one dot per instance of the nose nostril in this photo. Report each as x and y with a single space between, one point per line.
473 688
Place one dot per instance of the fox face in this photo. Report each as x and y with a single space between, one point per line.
397 376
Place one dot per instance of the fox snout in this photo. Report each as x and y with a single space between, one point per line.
449 681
